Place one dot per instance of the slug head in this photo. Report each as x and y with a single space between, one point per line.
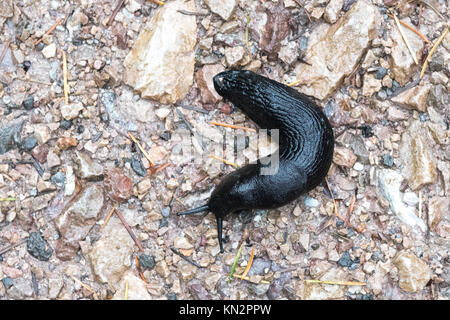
247 91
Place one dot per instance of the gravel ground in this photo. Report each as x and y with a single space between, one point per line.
381 229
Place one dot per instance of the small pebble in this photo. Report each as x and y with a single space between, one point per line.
29 143
80 129
65 124
38 247
7 282
345 260
146 262
165 135
311 202
381 72
26 65
58 179
387 160
28 103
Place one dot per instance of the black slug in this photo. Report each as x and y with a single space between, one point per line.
306 145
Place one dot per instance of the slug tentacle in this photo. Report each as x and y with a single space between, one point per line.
306 145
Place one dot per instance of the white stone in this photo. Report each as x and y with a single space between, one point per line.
49 51
161 64
224 8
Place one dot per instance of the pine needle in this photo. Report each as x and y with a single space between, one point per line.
339 283
53 27
233 268
249 264
138 267
334 201
66 85
231 126
248 279
126 290
411 28
224 161
7 199
146 155
94 294
405 39
425 65
108 216
246 37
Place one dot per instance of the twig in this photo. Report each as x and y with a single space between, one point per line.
249 264
434 9
146 155
411 28
35 284
126 290
108 216
339 283
350 211
185 258
66 85
12 246
53 27
188 13
194 108
231 126
224 161
7 199
132 235
115 12
248 279
420 204
432 51
68 14
94 294
405 39
158 168
334 201
246 37
420 14
35 81
233 268
37 166
301 5
5 48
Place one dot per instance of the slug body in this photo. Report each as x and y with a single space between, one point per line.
306 145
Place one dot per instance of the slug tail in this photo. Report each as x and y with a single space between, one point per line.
195 210
219 233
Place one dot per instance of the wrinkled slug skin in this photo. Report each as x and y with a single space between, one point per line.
306 145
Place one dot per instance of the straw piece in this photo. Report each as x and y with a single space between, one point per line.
146 155
339 283
224 161
248 279
411 28
226 125
85 286
108 216
432 51
405 39
66 85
